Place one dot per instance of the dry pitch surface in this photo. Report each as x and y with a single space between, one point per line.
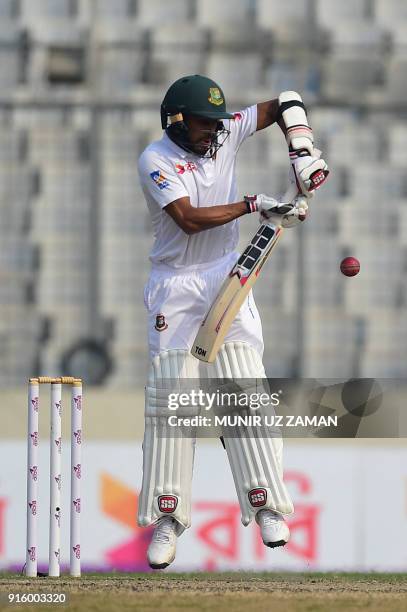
240 592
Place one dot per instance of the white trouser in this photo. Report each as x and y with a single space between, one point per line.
176 304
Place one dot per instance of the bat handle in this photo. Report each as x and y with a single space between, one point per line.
290 194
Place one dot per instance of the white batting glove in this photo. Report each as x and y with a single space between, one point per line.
298 213
310 172
286 214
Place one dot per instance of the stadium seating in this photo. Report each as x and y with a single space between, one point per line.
11 56
172 57
384 354
9 9
155 12
119 9
82 84
120 56
43 9
390 13
213 12
291 25
227 68
333 343
331 12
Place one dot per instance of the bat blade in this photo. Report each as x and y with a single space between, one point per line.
233 293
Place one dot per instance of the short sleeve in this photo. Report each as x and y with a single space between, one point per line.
158 180
242 126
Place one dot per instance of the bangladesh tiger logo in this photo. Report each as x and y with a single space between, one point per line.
160 323
215 97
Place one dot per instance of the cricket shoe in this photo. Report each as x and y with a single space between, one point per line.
274 530
163 545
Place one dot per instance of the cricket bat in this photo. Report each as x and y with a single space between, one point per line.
236 287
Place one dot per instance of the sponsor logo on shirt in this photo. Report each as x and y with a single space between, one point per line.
188 167
159 179
237 116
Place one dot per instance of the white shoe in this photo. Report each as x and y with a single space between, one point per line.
274 530
161 551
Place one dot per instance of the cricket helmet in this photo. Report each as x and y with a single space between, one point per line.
194 95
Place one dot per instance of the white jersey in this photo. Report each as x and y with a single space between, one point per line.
167 173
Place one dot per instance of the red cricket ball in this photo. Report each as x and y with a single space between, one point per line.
350 266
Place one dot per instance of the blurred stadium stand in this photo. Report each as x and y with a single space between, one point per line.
81 82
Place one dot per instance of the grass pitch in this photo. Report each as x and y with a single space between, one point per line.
241 591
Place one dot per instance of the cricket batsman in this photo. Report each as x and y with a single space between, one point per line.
189 182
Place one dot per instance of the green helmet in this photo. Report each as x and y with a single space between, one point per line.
193 95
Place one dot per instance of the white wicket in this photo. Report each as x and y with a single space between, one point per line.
32 478
55 463
76 473
55 475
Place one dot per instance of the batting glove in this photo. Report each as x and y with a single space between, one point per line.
286 214
310 172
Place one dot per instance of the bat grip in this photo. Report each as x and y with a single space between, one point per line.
290 194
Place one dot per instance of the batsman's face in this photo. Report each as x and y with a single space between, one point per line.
201 132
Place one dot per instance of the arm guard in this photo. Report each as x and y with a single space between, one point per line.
299 135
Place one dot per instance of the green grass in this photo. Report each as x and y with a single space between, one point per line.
240 591
238 575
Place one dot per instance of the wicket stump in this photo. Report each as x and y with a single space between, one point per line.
55 474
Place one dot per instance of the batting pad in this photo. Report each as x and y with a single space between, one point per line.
168 456
255 457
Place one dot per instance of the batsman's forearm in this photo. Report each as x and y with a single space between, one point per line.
268 114
199 219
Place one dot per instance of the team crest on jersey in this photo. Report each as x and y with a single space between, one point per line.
159 179
215 97
160 323
188 167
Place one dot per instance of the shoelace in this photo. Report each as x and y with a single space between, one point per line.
163 532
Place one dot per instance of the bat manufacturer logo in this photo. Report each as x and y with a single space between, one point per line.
257 497
200 351
167 503
317 178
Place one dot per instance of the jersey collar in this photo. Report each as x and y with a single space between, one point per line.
174 147
181 153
